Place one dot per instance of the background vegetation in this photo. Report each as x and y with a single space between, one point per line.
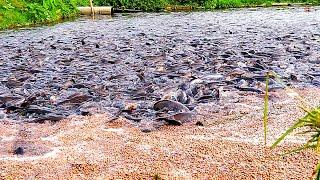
155 5
15 13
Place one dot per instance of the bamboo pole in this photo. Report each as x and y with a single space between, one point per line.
178 8
92 10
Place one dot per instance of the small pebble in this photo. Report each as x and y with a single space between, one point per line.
146 130
199 123
19 151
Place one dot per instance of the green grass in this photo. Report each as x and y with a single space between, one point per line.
308 125
16 13
311 122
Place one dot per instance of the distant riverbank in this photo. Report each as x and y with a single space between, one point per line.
18 13
158 5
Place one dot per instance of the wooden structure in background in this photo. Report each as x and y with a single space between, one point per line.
103 10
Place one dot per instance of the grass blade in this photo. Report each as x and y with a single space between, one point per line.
297 150
265 111
316 172
296 125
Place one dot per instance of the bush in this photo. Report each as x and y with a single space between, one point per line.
145 5
15 13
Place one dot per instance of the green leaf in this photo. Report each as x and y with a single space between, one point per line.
296 125
306 146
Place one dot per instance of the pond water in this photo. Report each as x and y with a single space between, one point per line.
126 63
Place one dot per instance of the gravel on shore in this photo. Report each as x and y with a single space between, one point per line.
228 146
